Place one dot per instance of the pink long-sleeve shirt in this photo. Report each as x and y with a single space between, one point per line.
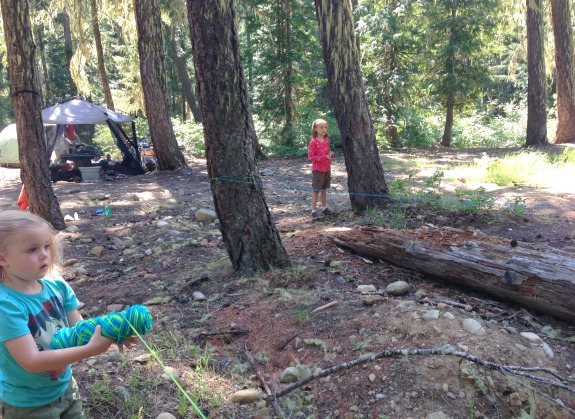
318 153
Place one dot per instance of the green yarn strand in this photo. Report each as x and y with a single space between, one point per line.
115 326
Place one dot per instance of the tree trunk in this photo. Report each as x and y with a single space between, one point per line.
450 74
565 68
184 77
69 49
26 97
536 83
287 76
42 65
100 56
251 239
366 182
534 276
448 129
153 74
391 133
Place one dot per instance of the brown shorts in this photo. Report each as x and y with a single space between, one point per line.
320 181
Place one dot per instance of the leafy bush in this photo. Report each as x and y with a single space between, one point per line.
191 136
415 131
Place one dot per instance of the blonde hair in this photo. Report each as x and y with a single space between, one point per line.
313 125
12 221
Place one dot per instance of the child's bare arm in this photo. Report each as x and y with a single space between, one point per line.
74 317
26 353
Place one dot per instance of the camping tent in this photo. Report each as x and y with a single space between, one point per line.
77 112
80 112
9 146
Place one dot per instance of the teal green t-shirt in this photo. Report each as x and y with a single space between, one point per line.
40 315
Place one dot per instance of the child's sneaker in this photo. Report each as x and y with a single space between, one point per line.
314 216
328 212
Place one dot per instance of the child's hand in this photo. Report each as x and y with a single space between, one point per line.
127 343
99 343
331 154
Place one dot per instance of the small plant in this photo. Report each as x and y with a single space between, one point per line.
361 346
516 206
435 180
302 315
473 201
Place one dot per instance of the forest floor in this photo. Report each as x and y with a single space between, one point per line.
152 251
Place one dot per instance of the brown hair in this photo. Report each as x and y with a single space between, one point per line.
13 220
317 121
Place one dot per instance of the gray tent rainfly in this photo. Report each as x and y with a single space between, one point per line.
79 112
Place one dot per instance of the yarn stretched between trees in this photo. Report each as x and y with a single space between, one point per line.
115 325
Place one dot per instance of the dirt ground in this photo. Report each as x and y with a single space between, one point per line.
153 252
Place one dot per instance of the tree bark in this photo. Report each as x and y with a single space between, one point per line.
287 75
251 239
450 74
448 128
69 49
536 83
366 182
565 69
534 276
184 77
27 100
391 133
153 74
100 56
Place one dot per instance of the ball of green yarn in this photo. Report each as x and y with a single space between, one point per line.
115 325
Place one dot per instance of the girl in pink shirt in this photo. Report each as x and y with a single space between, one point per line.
320 155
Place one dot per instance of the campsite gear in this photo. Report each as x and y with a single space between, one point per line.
55 142
90 173
77 112
23 199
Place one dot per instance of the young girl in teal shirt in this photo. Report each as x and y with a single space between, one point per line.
36 382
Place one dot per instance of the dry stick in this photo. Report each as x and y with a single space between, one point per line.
445 350
283 345
328 305
260 376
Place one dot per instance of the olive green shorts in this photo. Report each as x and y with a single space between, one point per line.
69 406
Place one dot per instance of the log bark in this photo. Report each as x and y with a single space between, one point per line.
537 277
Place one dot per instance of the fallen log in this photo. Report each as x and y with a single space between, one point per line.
534 276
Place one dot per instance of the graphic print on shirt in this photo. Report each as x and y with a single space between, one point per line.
45 324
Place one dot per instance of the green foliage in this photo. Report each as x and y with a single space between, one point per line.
302 315
520 168
191 136
302 134
506 129
567 157
474 200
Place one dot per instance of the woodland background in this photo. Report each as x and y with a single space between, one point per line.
417 58
235 81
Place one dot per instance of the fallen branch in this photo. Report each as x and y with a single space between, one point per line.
264 384
283 345
445 350
328 305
